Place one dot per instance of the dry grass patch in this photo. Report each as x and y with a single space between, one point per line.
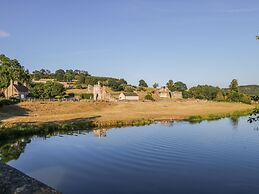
108 111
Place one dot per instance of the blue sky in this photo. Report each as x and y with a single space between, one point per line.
198 42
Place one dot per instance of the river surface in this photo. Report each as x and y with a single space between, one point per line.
182 158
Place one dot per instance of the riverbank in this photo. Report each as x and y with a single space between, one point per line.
42 118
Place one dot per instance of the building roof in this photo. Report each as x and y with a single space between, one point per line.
130 94
21 88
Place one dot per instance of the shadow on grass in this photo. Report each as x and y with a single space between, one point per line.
9 111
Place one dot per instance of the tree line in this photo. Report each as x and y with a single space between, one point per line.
206 92
11 69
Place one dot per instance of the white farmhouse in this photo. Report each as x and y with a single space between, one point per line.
130 96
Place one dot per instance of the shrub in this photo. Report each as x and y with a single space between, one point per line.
78 86
149 97
187 94
86 96
245 99
220 97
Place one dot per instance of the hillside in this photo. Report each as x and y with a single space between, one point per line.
252 90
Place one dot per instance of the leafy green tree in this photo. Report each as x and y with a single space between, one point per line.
187 94
116 85
220 96
38 90
53 89
155 85
49 90
69 75
11 69
81 78
233 96
245 99
60 75
179 86
46 74
170 85
36 75
142 83
204 92
234 85
129 89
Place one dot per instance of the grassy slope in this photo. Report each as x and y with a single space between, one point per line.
252 90
105 112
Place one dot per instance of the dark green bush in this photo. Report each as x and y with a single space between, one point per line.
149 97
86 96
4 102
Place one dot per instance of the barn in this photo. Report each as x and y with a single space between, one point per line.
129 96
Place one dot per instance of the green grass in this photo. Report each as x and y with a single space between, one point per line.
20 130
236 114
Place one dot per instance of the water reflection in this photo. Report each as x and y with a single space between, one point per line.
160 158
13 149
234 121
100 132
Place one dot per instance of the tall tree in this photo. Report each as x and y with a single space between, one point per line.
180 86
11 69
170 85
60 75
142 83
234 85
36 75
69 75
155 85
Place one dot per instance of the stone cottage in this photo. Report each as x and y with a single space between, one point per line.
100 92
16 90
164 92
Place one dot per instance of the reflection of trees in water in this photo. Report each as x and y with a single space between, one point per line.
234 121
12 150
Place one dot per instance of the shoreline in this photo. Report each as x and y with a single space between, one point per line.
13 131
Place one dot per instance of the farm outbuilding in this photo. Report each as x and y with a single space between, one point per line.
129 96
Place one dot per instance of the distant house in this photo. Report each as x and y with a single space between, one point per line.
130 96
164 92
16 90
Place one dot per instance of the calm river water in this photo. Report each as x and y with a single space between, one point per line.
209 157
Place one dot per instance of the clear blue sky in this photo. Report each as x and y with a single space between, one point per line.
198 42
